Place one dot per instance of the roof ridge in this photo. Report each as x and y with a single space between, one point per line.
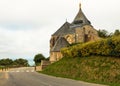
66 25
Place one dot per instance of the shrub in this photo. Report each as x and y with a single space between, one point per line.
104 47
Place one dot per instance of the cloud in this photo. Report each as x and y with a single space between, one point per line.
24 43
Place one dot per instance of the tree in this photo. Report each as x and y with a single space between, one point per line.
116 33
38 58
16 63
6 62
103 33
21 62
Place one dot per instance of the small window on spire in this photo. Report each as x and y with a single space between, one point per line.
78 22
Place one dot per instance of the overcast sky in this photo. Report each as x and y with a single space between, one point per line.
26 25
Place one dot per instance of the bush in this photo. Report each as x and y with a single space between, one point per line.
104 47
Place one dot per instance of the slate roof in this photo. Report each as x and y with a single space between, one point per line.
60 43
81 18
64 29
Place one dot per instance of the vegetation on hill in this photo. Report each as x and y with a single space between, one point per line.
97 62
103 47
103 70
104 33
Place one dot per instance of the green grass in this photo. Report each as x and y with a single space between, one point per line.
0 68
94 69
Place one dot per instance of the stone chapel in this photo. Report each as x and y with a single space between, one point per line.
80 30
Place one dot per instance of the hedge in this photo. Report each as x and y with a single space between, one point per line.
103 47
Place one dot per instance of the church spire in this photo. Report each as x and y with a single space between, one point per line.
80 18
79 5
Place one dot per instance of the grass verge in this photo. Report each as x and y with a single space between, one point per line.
93 69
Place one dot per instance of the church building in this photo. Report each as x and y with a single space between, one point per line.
80 30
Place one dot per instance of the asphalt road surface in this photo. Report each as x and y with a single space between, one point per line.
28 77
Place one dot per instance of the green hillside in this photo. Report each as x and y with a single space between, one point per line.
98 69
97 62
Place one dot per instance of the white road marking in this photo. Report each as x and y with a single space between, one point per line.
18 71
32 70
27 70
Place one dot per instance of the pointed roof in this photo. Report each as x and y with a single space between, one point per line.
64 29
80 18
60 43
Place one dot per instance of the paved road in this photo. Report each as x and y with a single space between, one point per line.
28 77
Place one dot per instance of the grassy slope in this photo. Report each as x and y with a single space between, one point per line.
0 67
104 70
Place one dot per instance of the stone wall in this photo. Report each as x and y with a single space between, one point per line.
79 35
43 65
86 33
38 68
55 56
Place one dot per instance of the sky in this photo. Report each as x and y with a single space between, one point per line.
27 25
